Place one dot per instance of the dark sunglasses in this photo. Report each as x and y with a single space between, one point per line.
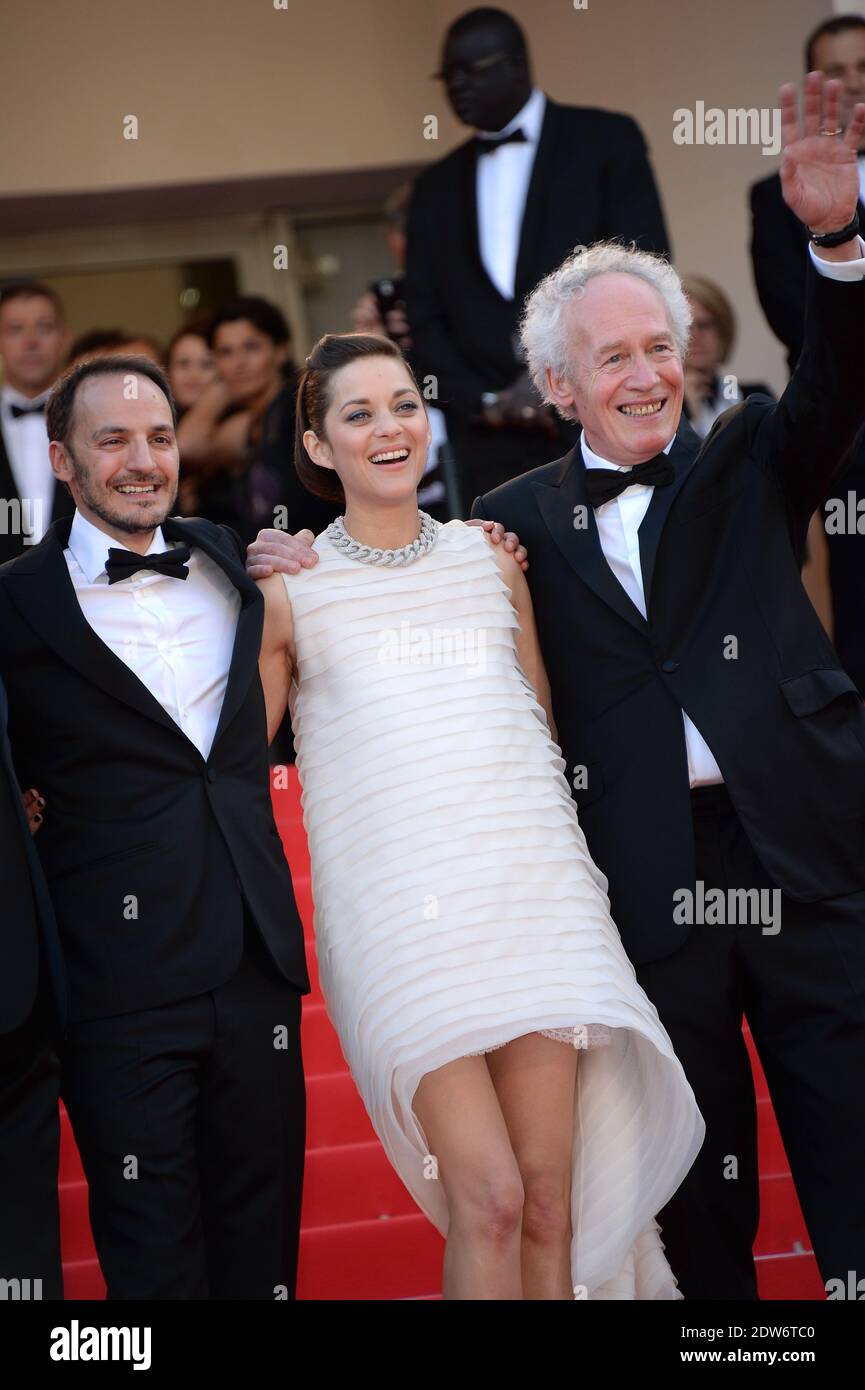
476 68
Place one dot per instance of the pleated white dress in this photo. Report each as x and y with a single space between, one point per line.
456 904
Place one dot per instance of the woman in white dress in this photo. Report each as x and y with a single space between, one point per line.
515 1072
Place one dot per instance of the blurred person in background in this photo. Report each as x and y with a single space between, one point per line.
709 390
34 340
236 440
249 340
108 342
143 345
382 311
494 217
190 365
834 574
96 342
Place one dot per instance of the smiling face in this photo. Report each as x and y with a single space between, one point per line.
624 377
121 463
376 431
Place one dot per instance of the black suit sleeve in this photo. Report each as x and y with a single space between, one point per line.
478 510
434 353
631 203
778 256
804 439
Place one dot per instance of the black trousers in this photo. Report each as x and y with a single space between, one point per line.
190 1120
802 989
29 1157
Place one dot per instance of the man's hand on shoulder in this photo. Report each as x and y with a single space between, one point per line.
275 552
497 534
508 565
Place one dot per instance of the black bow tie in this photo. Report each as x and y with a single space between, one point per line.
603 484
489 144
16 411
122 564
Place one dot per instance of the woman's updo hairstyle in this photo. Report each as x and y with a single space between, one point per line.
333 351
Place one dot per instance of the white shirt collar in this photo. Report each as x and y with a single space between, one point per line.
529 119
593 460
90 546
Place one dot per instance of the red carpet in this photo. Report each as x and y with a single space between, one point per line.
362 1236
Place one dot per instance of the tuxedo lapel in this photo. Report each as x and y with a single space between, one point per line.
570 519
41 589
683 455
540 184
250 621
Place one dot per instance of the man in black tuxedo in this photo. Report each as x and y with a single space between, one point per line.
129 646
33 343
494 216
32 1015
837 48
684 653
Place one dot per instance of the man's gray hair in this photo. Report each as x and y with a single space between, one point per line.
543 331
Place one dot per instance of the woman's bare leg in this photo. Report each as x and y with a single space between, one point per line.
459 1112
535 1081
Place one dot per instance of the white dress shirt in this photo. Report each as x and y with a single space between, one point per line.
501 187
618 528
26 441
176 636
618 524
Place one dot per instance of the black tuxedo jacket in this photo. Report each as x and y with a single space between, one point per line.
591 179
149 849
12 544
28 925
721 549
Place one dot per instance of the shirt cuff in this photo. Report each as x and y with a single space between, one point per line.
840 270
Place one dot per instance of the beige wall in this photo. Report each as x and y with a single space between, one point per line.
135 300
221 88
232 88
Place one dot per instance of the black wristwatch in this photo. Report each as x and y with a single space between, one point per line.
830 239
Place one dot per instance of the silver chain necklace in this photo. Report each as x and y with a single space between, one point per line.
369 555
